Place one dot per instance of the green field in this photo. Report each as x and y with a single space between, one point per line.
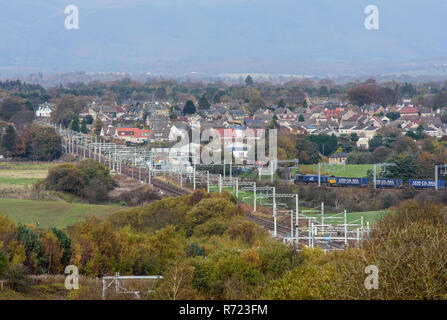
18 174
350 170
52 213
247 197
368 216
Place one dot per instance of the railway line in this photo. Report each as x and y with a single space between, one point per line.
145 175
284 232
170 189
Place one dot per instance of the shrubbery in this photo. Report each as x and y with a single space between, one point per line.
205 249
88 179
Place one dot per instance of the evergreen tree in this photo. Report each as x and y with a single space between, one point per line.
203 103
281 103
189 108
248 81
74 124
305 106
84 126
9 138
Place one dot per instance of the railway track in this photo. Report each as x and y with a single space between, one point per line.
127 171
283 231
170 189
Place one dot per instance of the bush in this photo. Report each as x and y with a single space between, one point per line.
89 179
139 196
66 178
3 263
18 279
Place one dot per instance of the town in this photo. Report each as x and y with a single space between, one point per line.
222 153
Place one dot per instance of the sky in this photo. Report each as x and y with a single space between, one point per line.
312 37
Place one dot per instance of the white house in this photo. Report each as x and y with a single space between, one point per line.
44 110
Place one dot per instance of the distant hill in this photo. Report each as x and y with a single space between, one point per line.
223 36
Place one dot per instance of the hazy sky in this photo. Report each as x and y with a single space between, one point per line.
222 36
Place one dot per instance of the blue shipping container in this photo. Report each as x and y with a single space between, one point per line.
351 181
426 183
389 182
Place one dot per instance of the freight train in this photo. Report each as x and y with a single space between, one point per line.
363 182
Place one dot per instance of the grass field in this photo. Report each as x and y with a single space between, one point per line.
52 213
246 196
18 174
351 170
368 216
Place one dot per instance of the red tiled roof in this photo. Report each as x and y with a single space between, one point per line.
408 110
134 132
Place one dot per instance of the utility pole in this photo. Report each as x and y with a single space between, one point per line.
274 213
346 229
291 225
237 189
194 175
319 175
375 176
296 209
254 197
208 181
436 177
322 218
231 170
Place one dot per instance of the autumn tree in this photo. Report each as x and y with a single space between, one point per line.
10 106
307 151
43 143
177 282
98 127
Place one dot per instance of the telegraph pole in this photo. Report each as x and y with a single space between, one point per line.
436 177
254 197
319 175
274 213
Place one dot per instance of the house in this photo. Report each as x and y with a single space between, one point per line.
133 135
408 111
108 131
155 109
286 114
44 110
363 144
161 134
338 158
236 115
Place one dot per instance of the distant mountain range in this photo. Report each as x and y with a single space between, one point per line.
314 37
